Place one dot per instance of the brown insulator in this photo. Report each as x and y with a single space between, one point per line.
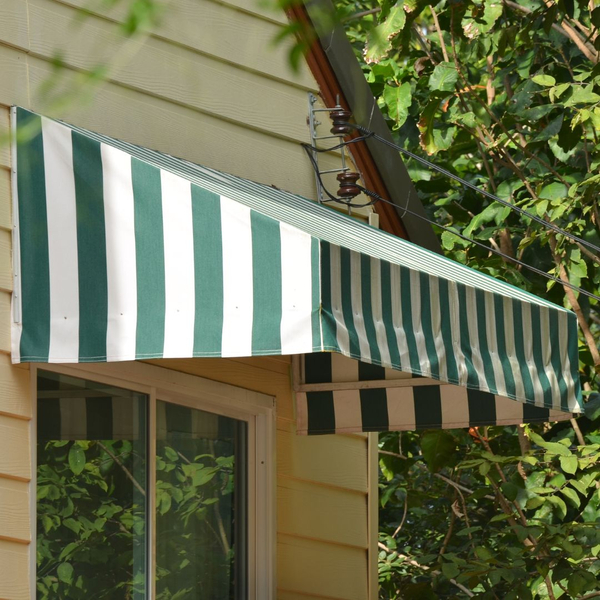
348 188
340 120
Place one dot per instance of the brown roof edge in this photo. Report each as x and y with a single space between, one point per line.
338 73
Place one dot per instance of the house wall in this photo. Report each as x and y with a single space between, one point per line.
206 85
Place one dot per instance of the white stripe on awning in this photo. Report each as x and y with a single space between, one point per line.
62 242
121 258
180 308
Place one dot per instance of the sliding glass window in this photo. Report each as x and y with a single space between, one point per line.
96 538
201 504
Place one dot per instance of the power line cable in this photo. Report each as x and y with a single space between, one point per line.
442 171
482 245
377 198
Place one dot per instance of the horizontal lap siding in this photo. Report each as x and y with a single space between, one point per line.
227 34
178 74
15 402
14 567
14 521
206 86
13 23
5 208
319 569
5 319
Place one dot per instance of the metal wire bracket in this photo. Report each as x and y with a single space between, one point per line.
313 124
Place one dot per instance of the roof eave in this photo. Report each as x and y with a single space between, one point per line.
386 165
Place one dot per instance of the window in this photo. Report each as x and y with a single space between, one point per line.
151 492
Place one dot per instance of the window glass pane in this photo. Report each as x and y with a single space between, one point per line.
91 481
201 501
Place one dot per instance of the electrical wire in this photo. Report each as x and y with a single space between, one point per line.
377 198
482 245
442 171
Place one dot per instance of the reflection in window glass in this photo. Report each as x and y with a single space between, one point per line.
200 505
91 499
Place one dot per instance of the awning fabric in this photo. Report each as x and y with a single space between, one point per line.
124 253
336 394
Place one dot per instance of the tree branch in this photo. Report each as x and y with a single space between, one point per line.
583 324
439 32
403 517
566 30
123 467
449 481
414 563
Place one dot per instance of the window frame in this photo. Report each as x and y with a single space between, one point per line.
162 383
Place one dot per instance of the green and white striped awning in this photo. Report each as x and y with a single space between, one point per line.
124 253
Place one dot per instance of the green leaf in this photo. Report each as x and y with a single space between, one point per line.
553 191
481 21
467 119
483 553
568 464
449 239
164 503
557 91
426 126
541 207
379 39
73 525
76 459
438 449
67 550
502 517
583 95
450 570
444 77
171 454
398 100
559 506
550 130
536 113
580 582
484 468
510 490
545 80
65 572
551 447
592 407
572 496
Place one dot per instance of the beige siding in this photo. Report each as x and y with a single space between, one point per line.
14 500
321 569
13 23
4 324
205 85
14 561
14 390
15 458
5 217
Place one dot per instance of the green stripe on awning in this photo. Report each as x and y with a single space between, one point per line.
171 259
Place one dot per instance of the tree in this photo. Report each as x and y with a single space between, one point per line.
506 96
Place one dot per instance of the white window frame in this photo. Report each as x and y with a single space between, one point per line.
160 383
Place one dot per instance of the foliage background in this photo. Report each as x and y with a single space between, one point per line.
507 96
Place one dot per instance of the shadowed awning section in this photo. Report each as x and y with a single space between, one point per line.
335 394
124 253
